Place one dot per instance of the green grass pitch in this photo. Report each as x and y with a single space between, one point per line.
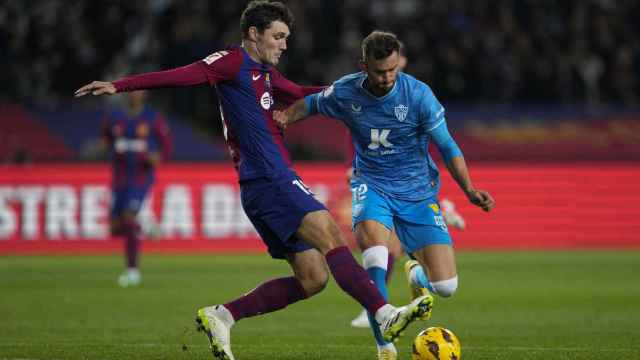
510 305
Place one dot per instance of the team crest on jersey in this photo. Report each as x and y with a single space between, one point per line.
266 100
401 112
142 130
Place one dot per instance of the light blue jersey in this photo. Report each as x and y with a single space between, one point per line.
390 133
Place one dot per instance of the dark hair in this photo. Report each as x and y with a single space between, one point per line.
261 14
379 45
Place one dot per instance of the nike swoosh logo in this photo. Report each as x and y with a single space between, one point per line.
256 77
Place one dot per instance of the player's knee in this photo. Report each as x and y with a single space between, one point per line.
314 281
332 237
446 288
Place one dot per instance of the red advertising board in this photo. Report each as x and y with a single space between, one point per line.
196 207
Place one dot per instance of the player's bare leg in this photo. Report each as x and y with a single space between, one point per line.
310 277
434 269
310 268
320 231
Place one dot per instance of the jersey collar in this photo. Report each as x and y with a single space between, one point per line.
262 67
378 98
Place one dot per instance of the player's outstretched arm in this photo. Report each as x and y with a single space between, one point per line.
458 169
293 113
96 88
189 75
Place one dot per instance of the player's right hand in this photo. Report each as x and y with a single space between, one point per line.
482 199
280 118
96 88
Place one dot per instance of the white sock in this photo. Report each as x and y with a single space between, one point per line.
375 256
225 315
384 312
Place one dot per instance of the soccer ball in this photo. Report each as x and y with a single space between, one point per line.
436 343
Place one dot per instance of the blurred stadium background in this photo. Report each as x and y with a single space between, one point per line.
542 96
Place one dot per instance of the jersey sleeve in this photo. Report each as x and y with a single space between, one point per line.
287 92
221 65
431 111
444 142
188 75
326 103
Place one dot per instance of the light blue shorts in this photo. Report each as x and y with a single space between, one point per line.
417 223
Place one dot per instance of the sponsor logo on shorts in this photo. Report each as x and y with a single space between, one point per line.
435 208
439 220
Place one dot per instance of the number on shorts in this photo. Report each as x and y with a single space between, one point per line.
360 192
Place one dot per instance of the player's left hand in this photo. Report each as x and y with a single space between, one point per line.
482 199
280 118
96 88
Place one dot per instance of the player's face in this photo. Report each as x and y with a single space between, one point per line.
272 42
382 73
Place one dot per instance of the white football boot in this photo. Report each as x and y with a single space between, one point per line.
396 320
218 331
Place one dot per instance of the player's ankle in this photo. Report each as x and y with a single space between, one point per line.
384 312
225 315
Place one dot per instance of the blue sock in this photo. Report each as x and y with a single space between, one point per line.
378 275
422 279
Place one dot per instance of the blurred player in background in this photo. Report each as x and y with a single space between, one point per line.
138 140
291 222
451 217
392 117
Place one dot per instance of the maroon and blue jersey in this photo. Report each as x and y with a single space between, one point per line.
274 198
246 91
132 139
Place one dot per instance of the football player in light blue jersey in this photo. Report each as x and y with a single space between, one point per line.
452 218
392 117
